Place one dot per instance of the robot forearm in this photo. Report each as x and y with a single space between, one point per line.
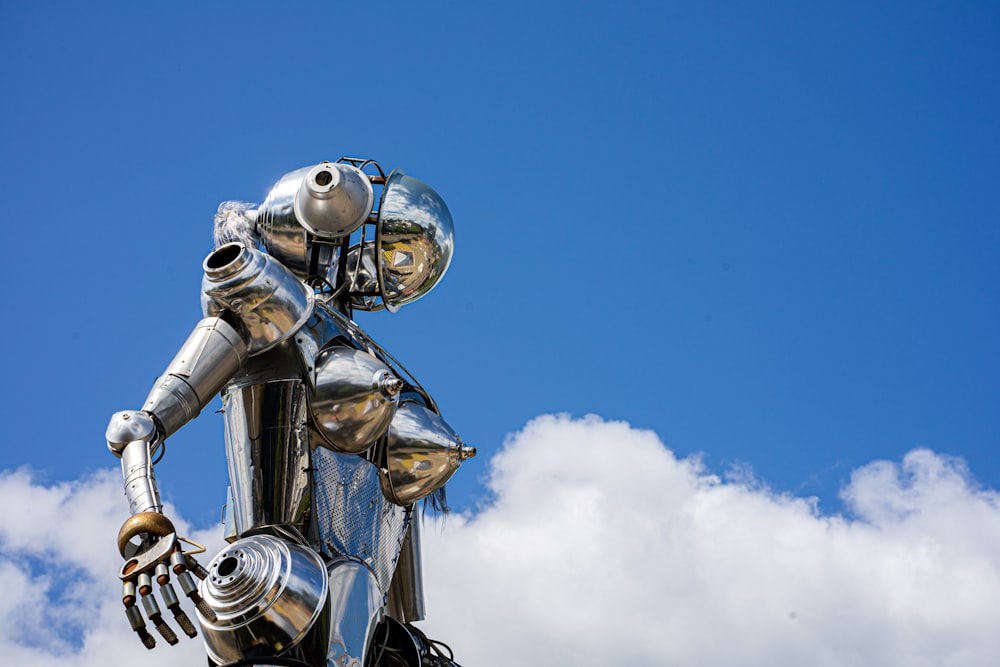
131 435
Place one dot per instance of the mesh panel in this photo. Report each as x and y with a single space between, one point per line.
353 517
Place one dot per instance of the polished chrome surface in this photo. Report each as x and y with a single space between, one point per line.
415 239
279 230
423 453
128 426
283 233
352 399
329 542
362 278
333 200
140 483
229 533
322 327
267 451
353 517
266 594
270 302
206 361
327 324
354 612
405 600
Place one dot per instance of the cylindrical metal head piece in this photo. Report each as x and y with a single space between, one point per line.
333 200
267 298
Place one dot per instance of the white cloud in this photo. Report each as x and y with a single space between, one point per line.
600 547
61 598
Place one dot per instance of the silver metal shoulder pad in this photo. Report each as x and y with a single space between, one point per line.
267 298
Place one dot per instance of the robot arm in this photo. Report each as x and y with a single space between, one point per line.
207 360
252 304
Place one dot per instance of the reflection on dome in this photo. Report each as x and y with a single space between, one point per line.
415 239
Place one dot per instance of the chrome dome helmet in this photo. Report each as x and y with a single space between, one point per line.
309 216
414 240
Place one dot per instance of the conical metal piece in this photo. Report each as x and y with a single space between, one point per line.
354 398
423 453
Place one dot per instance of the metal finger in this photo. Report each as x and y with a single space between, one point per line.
182 562
191 590
135 616
171 600
153 609
195 567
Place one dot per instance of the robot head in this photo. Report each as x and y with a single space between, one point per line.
316 216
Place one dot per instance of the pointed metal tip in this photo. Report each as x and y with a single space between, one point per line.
147 640
184 621
206 611
165 630
390 386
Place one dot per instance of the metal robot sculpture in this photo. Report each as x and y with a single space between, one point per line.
330 442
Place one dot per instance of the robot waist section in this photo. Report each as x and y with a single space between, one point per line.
277 478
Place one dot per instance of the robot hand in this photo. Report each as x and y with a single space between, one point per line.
133 436
158 552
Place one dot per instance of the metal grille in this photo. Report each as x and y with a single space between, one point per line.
353 517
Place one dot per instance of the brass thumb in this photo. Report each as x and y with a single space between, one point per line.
153 523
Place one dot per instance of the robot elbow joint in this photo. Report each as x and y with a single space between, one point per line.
128 426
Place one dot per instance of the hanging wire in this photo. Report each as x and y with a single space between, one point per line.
389 359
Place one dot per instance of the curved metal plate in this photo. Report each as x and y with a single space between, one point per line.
415 239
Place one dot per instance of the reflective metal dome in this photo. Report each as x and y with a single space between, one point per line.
266 593
414 241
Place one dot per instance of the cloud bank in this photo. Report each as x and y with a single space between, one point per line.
61 597
602 548
599 547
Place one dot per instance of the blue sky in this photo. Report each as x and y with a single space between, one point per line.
758 241
768 234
